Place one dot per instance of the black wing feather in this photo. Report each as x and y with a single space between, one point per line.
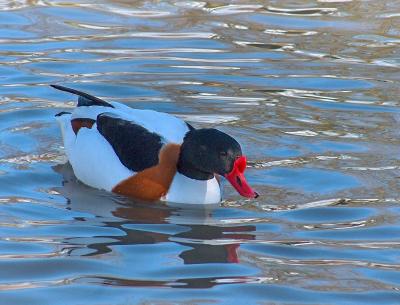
84 98
136 147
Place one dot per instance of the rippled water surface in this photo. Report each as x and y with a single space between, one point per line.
309 88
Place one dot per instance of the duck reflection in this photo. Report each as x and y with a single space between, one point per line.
205 239
209 242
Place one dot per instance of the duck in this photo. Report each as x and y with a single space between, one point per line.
149 155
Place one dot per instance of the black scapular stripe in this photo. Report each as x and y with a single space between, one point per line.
136 147
84 98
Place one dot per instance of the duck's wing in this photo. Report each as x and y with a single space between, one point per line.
136 147
109 151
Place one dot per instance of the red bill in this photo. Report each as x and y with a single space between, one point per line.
237 179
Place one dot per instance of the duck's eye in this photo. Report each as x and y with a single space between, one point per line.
223 153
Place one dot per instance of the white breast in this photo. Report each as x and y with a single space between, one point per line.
187 190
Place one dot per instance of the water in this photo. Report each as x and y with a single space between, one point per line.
310 90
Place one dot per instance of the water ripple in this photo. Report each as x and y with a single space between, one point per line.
315 11
309 90
233 9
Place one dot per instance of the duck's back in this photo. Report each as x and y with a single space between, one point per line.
107 143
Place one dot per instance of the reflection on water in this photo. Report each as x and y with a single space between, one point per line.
310 90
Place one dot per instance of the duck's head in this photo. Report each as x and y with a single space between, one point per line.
206 152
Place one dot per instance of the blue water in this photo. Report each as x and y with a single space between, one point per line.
310 90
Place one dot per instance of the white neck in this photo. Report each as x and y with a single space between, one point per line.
186 190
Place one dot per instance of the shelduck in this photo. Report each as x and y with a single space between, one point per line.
149 155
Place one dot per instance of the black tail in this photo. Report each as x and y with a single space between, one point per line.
84 98
62 113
